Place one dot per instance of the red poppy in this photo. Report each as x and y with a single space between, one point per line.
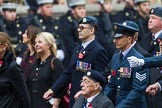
113 72
1 62
158 40
90 105
80 55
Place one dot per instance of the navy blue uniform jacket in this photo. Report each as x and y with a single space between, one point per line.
94 57
153 62
130 89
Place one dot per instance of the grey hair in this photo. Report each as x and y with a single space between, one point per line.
100 88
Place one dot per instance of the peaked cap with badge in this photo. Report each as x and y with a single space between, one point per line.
103 1
96 76
88 20
41 2
125 28
72 3
9 6
156 11
140 1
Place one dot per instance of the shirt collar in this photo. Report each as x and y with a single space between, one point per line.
126 51
157 34
90 99
133 43
86 43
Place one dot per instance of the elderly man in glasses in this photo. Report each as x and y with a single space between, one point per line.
90 94
89 55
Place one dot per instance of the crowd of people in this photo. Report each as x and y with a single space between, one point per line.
108 60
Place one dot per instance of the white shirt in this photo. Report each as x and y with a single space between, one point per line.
90 99
156 35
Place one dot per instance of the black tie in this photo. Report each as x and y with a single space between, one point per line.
153 38
81 48
84 104
121 57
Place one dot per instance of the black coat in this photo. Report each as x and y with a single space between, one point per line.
94 57
141 50
41 79
100 101
150 46
155 73
13 89
70 34
14 29
143 26
104 34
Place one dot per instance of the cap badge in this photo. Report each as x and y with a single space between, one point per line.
84 20
152 11
124 23
115 27
88 73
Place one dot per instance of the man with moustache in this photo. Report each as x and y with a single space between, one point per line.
91 95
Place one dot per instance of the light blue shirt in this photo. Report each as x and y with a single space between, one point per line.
87 43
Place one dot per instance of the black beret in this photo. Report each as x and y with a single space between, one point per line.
88 20
127 27
156 11
96 76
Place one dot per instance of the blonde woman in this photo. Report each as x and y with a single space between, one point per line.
46 71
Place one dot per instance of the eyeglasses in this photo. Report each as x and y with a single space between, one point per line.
82 28
86 82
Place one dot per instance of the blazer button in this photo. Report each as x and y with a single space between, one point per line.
118 87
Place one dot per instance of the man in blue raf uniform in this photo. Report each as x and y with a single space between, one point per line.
127 85
13 25
69 23
91 92
89 55
47 23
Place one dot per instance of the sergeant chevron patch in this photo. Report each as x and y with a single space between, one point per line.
140 77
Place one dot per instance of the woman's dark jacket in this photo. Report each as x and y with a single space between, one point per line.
41 79
13 89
